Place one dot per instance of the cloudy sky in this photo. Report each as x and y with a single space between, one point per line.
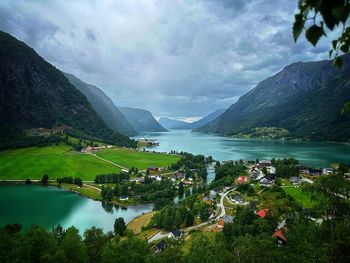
177 58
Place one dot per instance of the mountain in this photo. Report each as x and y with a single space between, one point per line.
302 101
104 106
34 94
171 123
205 120
141 120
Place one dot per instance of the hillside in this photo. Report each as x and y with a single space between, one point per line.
171 123
304 98
141 120
104 106
205 120
34 94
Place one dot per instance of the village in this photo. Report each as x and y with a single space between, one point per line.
258 180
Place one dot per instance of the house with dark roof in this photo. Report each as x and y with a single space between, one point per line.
160 246
314 172
295 180
270 177
236 198
175 234
265 182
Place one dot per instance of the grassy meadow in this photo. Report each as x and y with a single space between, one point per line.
141 160
303 198
59 161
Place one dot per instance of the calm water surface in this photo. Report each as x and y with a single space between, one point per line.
49 206
317 154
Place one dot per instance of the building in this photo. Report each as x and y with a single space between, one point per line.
280 235
328 170
225 219
236 198
242 179
160 246
124 198
264 163
262 213
176 234
265 182
314 172
295 180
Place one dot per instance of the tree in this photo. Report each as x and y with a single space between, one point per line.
119 226
181 189
45 179
78 182
73 246
95 240
317 18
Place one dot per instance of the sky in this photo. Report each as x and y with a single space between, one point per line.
177 58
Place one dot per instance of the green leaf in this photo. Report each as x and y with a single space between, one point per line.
313 34
334 44
330 53
346 107
338 62
298 26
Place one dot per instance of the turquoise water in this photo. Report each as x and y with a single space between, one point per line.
317 154
49 206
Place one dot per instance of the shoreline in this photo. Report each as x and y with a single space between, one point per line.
66 187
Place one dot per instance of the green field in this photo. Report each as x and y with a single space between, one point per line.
141 160
55 161
59 161
299 196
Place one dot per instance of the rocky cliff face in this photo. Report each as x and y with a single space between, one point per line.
34 94
304 98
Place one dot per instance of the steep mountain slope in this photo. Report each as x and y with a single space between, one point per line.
171 123
141 120
34 94
205 120
104 106
304 98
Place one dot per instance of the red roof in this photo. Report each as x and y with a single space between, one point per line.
221 223
242 179
279 234
262 213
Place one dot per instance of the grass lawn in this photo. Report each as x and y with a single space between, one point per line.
85 191
139 222
55 161
141 160
301 197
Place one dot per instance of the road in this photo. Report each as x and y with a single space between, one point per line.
107 161
221 204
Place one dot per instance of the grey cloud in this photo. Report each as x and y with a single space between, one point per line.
175 58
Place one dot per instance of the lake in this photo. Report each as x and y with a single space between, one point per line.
316 154
49 206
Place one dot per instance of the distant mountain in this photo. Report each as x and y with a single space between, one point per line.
141 120
171 123
104 106
205 120
34 94
302 101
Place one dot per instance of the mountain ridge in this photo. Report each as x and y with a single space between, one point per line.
141 120
304 98
103 105
35 94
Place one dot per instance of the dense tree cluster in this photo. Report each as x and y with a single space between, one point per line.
227 173
190 162
285 168
111 178
70 180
